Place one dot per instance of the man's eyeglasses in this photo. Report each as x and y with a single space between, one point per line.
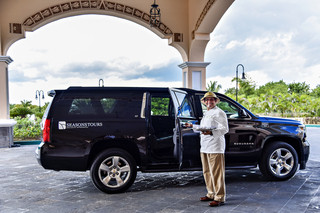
210 99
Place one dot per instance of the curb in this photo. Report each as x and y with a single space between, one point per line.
312 125
36 142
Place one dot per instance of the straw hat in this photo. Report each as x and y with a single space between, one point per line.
210 95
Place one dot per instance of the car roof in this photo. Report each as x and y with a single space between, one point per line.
99 89
96 89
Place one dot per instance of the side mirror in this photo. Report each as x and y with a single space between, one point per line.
243 113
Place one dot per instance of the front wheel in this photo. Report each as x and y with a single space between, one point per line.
113 171
279 161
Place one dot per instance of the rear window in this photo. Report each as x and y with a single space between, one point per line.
114 105
82 106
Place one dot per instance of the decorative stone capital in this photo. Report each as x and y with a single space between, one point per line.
6 59
194 64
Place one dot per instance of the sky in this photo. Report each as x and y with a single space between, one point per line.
273 40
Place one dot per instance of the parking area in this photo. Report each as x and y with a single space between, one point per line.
27 187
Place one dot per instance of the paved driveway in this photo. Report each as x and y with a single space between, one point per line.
27 187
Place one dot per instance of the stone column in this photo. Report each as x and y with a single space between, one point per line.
6 124
194 75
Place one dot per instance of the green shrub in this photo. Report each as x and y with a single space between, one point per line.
27 129
20 111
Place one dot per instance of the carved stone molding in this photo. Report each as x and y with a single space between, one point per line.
6 59
92 5
203 14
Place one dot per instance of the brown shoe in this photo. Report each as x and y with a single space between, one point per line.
205 198
216 203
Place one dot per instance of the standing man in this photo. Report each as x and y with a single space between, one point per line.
212 150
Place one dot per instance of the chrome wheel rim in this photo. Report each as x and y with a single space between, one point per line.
114 172
281 162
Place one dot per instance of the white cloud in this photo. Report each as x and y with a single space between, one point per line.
260 78
233 44
277 40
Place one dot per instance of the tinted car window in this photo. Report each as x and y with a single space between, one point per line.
108 104
81 106
115 105
230 109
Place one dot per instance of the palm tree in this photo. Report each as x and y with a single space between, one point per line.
26 103
213 86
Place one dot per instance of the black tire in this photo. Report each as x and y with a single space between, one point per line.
279 161
113 171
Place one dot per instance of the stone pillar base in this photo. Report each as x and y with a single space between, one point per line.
6 132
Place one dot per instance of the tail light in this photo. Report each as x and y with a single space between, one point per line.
46 131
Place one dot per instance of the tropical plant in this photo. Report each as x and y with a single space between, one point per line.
27 128
276 87
213 86
20 110
278 98
299 88
316 91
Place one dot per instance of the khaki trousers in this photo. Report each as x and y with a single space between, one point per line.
213 166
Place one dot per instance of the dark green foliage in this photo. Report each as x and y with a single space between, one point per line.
275 87
299 88
316 92
20 111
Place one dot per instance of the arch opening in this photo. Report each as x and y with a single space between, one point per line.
96 50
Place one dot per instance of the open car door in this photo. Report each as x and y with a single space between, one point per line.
186 141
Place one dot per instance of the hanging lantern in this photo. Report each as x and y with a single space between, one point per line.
154 15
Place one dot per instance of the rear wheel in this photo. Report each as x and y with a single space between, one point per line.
279 161
113 171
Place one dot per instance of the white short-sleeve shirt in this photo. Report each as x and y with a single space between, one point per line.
214 143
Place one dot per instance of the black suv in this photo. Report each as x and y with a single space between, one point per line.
116 131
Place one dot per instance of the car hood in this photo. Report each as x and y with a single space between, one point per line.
279 120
